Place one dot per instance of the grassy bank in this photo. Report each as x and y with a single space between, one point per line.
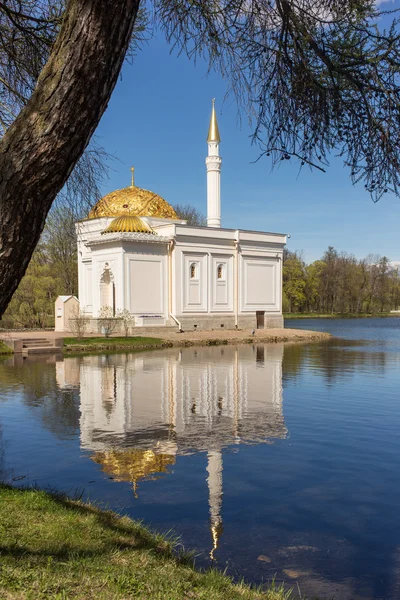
99 344
4 349
55 548
94 345
338 315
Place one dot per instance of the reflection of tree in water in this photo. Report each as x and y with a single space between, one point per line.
292 362
335 360
60 413
2 459
34 379
35 382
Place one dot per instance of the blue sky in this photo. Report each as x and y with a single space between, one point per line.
157 120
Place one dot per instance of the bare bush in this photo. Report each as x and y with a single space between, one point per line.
109 322
128 320
79 322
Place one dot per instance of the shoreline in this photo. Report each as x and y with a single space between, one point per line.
4 349
116 343
194 338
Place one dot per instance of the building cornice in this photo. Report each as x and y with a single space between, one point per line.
112 238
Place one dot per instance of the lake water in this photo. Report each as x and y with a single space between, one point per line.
270 460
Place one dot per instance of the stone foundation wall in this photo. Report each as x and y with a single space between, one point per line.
208 322
13 343
201 322
95 328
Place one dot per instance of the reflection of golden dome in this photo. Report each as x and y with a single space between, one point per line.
133 201
133 464
128 224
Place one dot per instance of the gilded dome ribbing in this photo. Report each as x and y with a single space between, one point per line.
133 201
128 224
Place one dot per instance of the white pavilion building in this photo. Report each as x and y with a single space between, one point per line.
135 254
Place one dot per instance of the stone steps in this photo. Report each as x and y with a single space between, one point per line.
40 350
39 346
35 343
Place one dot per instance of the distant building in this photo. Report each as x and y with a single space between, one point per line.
135 254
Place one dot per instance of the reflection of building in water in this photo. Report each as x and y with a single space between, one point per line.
132 465
196 399
68 373
139 411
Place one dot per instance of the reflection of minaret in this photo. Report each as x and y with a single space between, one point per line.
214 480
236 393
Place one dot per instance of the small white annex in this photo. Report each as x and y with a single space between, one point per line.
135 254
66 308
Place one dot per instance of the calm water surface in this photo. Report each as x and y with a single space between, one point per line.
270 460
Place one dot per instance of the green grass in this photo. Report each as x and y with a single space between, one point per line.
112 343
52 547
4 349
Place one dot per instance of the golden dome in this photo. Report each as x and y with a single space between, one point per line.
128 224
133 201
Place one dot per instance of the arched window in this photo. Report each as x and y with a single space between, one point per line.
220 272
193 271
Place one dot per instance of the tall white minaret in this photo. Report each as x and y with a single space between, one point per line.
213 163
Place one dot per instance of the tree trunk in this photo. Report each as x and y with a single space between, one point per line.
40 149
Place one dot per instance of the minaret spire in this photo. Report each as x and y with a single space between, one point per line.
213 131
213 163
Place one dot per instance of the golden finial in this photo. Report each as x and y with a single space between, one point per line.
213 131
133 176
216 532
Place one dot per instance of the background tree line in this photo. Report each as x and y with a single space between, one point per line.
339 283
52 271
